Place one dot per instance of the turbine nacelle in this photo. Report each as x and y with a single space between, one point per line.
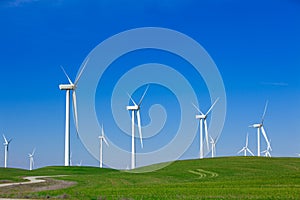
135 107
256 126
201 116
67 87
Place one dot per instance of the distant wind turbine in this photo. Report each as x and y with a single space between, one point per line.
6 146
71 155
31 161
245 148
68 87
259 127
213 147
202 117
135 110
79 164
267 151
102 138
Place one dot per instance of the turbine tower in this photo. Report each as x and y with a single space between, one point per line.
245 148
135 110
31 162
202 118
68 87
213 147
6 145
260 127
102 138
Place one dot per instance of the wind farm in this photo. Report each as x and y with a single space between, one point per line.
149 99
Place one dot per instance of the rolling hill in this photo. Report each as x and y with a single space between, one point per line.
217 178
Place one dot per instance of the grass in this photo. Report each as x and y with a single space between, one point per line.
218 178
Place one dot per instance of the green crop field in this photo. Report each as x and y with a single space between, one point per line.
218 178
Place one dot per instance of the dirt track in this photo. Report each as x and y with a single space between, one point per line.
35 184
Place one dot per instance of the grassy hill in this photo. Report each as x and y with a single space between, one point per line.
218 178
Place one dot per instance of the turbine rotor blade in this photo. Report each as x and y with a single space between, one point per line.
269 146
247 140
67 75
263 116
81 71
131 99
75 112
5 139
265 135
197 109
211 140
103 137
143 95
212 106
139 126
250 152
105 141
33 152
240 151
102 130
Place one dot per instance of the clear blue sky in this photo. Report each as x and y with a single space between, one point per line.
255 45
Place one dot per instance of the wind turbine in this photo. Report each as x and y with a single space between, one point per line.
135 110
31 162
245 148
68 87
202 117
260 127
102 138
267 151
79 164
213 147
6 145
71 155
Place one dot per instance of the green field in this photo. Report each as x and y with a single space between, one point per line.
218 178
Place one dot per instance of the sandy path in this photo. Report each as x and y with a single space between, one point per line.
32 180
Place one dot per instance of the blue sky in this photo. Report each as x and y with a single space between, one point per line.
255 45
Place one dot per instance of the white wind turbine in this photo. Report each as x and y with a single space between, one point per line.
267 151
31 161
202 117
102 138
68 87
135 109
260 127
79 164
213 147
71 155
6 145
245 148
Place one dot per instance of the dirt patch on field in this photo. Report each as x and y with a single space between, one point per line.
21 190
